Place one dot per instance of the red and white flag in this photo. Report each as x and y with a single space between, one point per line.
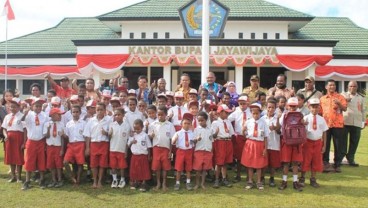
8 11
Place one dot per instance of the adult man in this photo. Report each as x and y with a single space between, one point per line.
309 91
280 88
333 104
63 90
354 118
253 89
212 87
159 88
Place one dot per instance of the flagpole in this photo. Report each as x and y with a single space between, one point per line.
205 39
6 54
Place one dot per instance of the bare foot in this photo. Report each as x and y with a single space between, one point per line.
94 186
157 187
99 185
74 180
203 187
195 187
164 188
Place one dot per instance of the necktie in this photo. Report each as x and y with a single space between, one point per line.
225 127
186 139
195 123
244 118
11 120
37 120
140 94
255 132
179 114
54 130
314 122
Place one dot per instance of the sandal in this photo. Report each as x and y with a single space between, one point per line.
260 186
249 186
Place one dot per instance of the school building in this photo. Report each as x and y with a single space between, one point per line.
148 38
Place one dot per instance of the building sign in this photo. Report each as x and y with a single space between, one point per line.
191 17
197 50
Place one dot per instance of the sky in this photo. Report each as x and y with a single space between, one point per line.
35 15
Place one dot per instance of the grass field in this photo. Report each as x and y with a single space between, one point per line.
346 189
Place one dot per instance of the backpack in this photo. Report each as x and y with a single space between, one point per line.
293 130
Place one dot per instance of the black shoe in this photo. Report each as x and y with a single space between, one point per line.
26 185
353 164
283 185
42 184
297 186
272 182
302 181
237 179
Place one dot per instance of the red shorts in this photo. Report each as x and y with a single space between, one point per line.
253 154
274 160
54 159
75 153
99 154
160 159
35 155
117 160
312 156
238 144
184 158
291 153
202 160
14 155
139 168
223 152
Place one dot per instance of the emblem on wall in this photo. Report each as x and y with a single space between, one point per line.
191 17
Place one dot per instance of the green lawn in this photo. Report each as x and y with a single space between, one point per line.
346 189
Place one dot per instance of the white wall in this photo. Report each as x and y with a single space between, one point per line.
233 28
175 29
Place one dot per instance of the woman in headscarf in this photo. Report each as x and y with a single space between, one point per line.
230 87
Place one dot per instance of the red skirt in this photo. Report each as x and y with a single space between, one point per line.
139 168
238 144
223 152
253 154
35 155
14 155
312 156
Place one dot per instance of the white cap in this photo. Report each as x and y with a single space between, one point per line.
131 91
256 105
115 99
74 98
243 98
293 101
55 100
193 91
16 100
170 93
106 93
314 101
179 94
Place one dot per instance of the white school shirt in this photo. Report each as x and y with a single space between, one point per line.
304 110
17 124
321 127
273 142
163 131
219 123
120 136
180 142
94 126
35 133
54 141
208 122
148 121
206 138
68 116
174 111
74 130
237 117
130 117
142 145
263 129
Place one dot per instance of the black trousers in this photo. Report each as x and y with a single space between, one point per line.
337 136
351 137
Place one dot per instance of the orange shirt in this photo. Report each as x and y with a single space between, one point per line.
331 112
64 93
185 93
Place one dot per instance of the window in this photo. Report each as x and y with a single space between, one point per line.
321 86
240 35
134 72
297 84
268 75
277 36
252 36
27 84
265 36
157 73
155 35
223 35
11 84
143 35
131 35
167 35
247 73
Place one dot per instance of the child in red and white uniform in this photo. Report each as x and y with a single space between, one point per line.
75 151
133 113
161 131
239 117
54 133
176 113
203 149
183 140
97 143
140 145
273 143
290 153
152 117
35 155
14 140
255 150
315 145
170 99
223 147
68 116
119 134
